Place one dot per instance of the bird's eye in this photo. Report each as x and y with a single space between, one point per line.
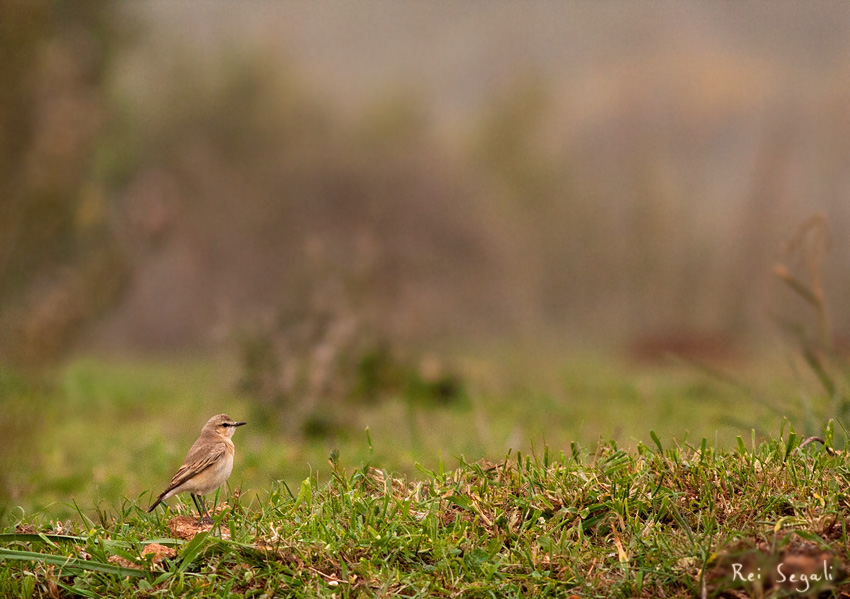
225 424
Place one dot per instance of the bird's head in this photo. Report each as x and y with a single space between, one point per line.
221 424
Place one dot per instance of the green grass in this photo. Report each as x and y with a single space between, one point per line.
97 431
578 498
656 521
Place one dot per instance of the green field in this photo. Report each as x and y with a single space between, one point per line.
663 521
587 477
104 431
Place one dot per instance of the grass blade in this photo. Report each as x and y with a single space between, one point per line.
71 563
657 441
11 537
191 550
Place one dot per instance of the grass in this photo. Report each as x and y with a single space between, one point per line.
592 488
98 431
662 520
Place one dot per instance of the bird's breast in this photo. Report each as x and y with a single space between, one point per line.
215 476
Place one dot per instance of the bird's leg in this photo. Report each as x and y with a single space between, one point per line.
197 505
202 510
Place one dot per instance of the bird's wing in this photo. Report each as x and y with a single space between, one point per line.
198 460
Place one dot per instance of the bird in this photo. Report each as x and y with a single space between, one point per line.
207 465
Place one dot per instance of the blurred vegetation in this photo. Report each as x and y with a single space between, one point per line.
324 356
821 365
245 193
207 192
60 264
241 187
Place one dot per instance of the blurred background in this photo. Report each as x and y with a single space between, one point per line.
463 226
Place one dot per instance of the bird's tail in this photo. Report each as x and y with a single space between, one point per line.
156 503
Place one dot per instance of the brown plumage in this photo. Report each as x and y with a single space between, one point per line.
207 465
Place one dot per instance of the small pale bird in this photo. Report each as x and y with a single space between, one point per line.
207 465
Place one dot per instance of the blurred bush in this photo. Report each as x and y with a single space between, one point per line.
820 364
320 356
642 207
328 249
243 192
60 264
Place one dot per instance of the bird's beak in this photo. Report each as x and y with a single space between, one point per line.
239 423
